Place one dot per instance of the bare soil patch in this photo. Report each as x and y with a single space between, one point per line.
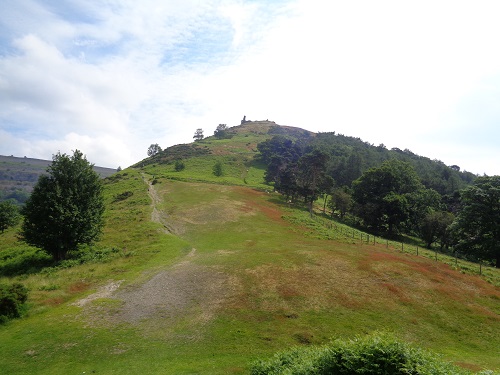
103 292
184 290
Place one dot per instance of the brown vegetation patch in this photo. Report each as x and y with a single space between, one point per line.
397 291
481 310
220 211
103 292
78 287
414 279
311 286
55 301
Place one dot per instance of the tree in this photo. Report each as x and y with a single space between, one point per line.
341 201
385 194
9 215
421 203
312 178
435 227
217 169
198 134
477 226
65 208
221 131
154 149
281 156
179 165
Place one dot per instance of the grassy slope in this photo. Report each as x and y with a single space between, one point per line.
276 284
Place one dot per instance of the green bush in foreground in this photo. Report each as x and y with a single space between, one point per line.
12 299
374 354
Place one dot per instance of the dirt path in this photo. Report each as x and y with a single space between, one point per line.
184 292
157 216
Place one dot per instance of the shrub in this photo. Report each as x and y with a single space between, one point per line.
12 300
374 354
122 196
218 169
179 165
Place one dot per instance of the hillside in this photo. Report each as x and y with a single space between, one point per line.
199 274
19 175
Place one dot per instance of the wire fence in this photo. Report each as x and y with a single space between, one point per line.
454 260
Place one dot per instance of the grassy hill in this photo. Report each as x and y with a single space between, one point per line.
198 274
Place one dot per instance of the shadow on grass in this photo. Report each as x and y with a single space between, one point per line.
24 262
27 261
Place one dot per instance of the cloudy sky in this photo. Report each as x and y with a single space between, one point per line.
112 77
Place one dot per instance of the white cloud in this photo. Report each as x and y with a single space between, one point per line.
115 77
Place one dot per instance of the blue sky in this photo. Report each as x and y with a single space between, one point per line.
110 78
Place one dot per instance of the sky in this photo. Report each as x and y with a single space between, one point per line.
110 78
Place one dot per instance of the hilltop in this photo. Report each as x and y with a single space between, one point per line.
198 273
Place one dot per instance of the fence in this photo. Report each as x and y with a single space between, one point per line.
455 261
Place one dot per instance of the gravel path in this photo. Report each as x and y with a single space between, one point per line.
184 291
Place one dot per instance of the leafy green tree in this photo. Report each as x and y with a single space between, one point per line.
221 131
346 170
179 165
384 195
218 170
477 226
341 201
65 208
282 158
9 215
198 134
312 178
421 203
435 227
154 149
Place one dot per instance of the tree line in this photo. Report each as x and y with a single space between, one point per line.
388 192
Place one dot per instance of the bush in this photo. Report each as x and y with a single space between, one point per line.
179 165
218 169
375 354
12 301
122 196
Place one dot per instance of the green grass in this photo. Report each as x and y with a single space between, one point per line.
280 279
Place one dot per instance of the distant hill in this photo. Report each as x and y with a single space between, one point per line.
350 157
19 175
